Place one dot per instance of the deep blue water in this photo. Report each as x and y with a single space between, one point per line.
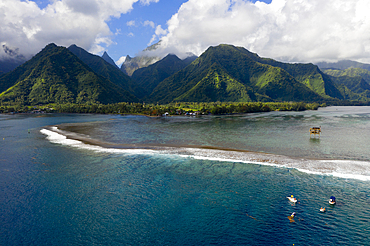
58 192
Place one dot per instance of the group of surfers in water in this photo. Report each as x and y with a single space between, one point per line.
322 209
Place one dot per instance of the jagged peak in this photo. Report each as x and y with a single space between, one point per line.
51 45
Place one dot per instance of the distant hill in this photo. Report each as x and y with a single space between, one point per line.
149 77
307 74
108 59
344 64
351 72
105 69
229 73
7 65
56 75
11 60
353 82
131 64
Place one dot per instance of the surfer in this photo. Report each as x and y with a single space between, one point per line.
291 217
292 198
332 200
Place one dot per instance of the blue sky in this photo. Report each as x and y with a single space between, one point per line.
286 30
133 39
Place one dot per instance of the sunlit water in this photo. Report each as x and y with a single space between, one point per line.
134 180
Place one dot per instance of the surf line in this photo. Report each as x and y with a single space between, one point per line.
55 135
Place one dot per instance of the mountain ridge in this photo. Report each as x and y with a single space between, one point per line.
224 73
105 69
240 65
56 75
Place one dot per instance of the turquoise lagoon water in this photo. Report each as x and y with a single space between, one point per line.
211 180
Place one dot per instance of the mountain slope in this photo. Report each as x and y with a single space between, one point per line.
307 74
55 75
231 67
354 82
11 59
351 72
103 68
130 65
108 59
149 77
7 65
217 85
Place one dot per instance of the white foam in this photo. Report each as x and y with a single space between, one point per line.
346 169
58 138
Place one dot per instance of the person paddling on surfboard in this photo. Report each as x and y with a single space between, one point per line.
291 217
292 199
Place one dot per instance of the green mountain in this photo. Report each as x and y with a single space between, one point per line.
307 74
351 72
229 73
107 70
56 75
353 82
149 77
344 64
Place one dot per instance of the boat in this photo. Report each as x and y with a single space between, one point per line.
332 200
322 210
292 198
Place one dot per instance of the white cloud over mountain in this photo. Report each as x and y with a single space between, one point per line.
289 30
84 23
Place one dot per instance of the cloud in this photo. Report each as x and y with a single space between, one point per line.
159 32
118 31
147 2
121 60
289 30
26 26
130 23
149 23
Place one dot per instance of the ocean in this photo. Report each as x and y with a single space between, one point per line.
81 179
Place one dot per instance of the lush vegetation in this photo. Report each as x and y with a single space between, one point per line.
215 108
55 75
73 80
352 82
108 71
231 74
149 77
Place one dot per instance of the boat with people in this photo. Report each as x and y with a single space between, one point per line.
332 200
292 198
322 210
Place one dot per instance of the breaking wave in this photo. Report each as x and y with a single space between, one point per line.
347 169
